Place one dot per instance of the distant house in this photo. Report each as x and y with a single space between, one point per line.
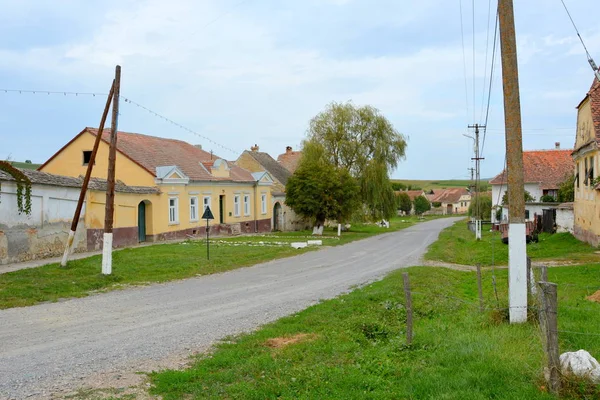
453 200
412 194
189 178
44 232
284 218
586 156
290 159
543 173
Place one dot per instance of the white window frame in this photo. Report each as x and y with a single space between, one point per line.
263 203
194 217
206 203
246 205
236 205
174 211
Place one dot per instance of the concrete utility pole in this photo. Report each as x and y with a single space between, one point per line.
86 180
477 159
110 179
517 248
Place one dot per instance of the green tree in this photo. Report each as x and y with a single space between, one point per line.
547 199
421 205
485 208
528 197
319 191
398 186
566 191
404 203
364 143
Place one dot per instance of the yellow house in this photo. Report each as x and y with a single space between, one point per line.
188 180
586 224
454 200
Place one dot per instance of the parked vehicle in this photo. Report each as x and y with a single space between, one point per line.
531 234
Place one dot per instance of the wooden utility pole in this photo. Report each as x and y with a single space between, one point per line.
86 180
517 250
110 179
549 325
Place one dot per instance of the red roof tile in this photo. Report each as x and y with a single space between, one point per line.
150 152
412 193
290 159
549 168
452 195
594 94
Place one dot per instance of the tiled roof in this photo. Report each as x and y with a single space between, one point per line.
274 168
44 178
452 195
290 159
594 95
151 152
411 193
549 168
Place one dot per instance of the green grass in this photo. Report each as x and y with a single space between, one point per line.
24 165
440 184
160 263
457 244
356 349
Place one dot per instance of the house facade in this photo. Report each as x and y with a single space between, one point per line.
187 178
453 201
586 157
284 218
44 232
543 173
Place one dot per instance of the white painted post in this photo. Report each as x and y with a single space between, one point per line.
339 229
517 273
68 249
107 254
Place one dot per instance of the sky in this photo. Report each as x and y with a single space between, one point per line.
238 73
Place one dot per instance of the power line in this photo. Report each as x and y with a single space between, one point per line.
589 57
473 13
462 38
126 100
492 70
178 125
487 45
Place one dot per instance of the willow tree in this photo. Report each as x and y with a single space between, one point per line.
364 143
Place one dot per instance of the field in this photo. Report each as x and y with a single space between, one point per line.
24 165
439 184
353 347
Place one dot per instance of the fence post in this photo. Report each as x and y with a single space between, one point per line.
479 288
549 325
409 319
531 278
544 270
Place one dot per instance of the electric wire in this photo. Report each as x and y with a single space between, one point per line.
487 45
492 71
462 38
576 30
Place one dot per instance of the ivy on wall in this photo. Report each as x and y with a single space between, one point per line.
23 187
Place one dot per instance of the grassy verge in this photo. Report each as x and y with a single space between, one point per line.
457 244
161 263
353 347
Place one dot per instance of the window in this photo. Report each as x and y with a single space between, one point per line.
585 181
87 155
205 203
246 204
591 171
193 208
236 205
173 210
263 203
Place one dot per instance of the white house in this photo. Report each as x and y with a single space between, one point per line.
543 173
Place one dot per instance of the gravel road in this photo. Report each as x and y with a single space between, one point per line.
54 346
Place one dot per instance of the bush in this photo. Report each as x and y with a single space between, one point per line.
421 205
436 204
547 199
485 208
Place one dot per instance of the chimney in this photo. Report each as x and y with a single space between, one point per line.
288 149
198 146
254 148
557 145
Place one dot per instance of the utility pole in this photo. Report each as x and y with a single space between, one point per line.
477 159
517 248
86 180
110 179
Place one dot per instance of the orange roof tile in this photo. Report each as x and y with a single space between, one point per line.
549 168
290 159
411 193
150 152
451 195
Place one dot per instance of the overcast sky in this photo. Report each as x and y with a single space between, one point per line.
256 71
